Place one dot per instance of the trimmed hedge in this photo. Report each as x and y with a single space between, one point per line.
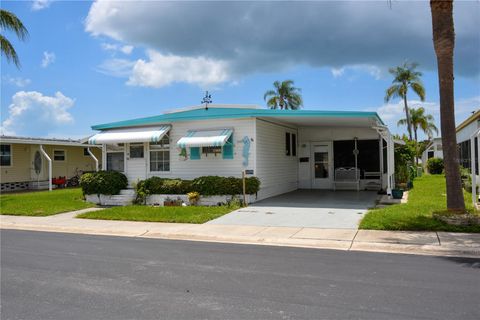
435 165
103 182
206 186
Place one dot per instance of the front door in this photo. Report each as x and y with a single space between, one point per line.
322 174
136 163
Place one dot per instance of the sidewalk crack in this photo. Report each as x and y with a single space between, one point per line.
353 240
291 237
143 233
438 238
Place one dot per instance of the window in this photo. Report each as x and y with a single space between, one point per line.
430 154
136 151
287 143
294 145
439 147
58 155
368 158
213 150
5 155
115 161
160 155
85 152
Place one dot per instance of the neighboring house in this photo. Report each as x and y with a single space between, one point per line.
285 149
433 150
23 164
466 135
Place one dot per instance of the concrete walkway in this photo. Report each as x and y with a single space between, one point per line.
428 243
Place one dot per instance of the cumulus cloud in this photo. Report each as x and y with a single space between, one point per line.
247 37
17 81
161 70
32 113
40 4
48 58
392 112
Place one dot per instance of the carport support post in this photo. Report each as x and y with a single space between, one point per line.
49 167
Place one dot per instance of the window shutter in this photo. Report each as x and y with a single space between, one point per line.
227 151
195 153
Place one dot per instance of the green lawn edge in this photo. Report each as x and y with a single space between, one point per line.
180 214
427 196
43 203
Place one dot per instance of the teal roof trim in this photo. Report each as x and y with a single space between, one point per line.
229 113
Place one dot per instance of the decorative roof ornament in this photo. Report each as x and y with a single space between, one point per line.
207 99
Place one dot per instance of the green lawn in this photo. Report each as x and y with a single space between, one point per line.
426 197
159 214
42 203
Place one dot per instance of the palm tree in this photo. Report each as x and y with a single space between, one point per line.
285 96
9 21
405 77
444 42
422 121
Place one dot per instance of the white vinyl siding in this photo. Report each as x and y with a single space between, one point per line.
276 170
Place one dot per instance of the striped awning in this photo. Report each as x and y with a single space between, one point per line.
130 135
207 138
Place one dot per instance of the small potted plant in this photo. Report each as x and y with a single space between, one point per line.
193 198
397 192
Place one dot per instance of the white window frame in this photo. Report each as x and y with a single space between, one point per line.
169 149
11 155
64 155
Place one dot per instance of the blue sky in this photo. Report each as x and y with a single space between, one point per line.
87 63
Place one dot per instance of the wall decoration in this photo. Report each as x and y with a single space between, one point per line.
246 150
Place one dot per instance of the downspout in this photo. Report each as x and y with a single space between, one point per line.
49 167
94 158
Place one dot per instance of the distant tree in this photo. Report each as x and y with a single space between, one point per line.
422 121
405 77
10 22
444 43
285 96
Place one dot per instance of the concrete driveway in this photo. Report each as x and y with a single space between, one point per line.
305 208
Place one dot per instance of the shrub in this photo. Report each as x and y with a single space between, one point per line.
435 165
215 185
207 186
103 182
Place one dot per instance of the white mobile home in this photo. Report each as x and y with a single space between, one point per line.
285 149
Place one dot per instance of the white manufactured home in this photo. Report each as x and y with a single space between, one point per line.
286 149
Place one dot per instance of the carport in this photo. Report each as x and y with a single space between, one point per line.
305 208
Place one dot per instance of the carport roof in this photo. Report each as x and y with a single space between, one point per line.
214 112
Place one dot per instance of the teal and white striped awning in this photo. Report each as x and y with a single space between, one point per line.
207 138
130 135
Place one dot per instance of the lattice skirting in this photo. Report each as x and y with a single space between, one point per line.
14 186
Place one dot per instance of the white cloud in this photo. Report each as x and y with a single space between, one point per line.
32 113
392 112
331 34
117 67
372 70
17 81
126 49
161 70
40 4
48 58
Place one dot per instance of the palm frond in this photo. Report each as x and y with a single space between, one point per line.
9 21
9 51
419 89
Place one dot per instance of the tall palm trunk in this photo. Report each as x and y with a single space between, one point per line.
444 42
407 114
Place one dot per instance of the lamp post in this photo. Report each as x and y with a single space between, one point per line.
207 99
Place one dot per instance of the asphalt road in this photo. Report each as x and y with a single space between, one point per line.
68 276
